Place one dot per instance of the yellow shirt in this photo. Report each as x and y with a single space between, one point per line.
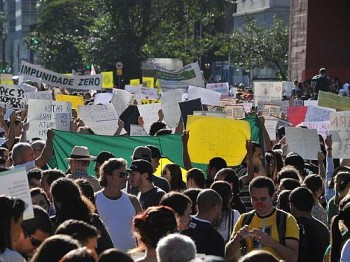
270 225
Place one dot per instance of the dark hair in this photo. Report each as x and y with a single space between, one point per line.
217 163
155 127
197 175
223 188
262 182
11 208
281 132
39 191
177 201
283 200
82 254
54 248
230 177
114 254
289 183
79 230
302 198
294 159
192 193
108 167
86 189
258 256
313 182
288 172
176 182
34 173
154 223
164 131
336 235
52 175
41 221
335 172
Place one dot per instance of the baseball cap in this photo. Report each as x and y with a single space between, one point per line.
142 152
141 166
155 151
103 156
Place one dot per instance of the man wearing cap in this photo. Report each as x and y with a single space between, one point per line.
152 155
79 161
320 82
141 175
100 159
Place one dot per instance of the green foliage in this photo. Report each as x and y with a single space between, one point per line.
255 46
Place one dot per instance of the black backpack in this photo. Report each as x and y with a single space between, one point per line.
281 218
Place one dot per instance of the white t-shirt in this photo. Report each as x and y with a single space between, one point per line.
11 256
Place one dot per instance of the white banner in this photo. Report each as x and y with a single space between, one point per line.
340 122
83 82
267 92
322 127
317 113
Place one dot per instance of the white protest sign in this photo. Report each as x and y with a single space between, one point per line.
142 92
12 95
303 141
40 95
102 119
63 121
79 82
271 110
248 107
210 113
42 116
102 98
222 88
27 88
136 130
310 102
149 113
170 106
271 127
14 183
267 92
340 122
227 102
235 111
287 87
121 100
322 127
207 97
316 113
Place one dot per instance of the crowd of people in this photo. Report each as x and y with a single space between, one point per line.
272 207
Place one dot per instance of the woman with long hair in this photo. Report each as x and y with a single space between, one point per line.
150 226
71 204
172 173
11 217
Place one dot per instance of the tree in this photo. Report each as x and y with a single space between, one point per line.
256 46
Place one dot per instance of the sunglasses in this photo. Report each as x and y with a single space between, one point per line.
33 241
123 174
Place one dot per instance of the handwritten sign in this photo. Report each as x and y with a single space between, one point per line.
222 88
207 97
14 183
76 101
303 141
316 113
136 130
170 106
271 127
102 119
142 92
12 95
234 111
340 121
271 110
41 95
287 87
149 112
340 103
322 127
267 92
103 98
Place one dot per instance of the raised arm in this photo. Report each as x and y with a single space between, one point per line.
47 151
185 155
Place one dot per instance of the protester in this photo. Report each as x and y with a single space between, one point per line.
82 254
40 198
193 193
195 178
100 159
114 254
172 173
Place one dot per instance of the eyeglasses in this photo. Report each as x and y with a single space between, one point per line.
33 241
123 174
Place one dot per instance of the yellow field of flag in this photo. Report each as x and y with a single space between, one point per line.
148 81
134 82
75 100
107 79
217 137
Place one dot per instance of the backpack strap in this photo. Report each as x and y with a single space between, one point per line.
281 218
246 221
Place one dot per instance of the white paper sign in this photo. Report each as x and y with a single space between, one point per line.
207 97
102 119
340 122
322 127
170 106
136 130
222 88
63 121
14 183
269 111
271 126
267 92
235 111
142 92
287 88
42 116
12 95
316 113
40 95
310 102
303 141
149 113
103 98
121 100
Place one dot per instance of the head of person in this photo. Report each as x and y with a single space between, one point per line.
258 156
153 224
34 177
172 173
209 202
155 127
81 254
322 71
301 199
182 205
85 233
342 184
48 177
100 159
214 165
156 156
86 189
335 172
294 159
40 198
5 154
113 173
195 178
193 193
283 200
288 172
22 153
176 248
11 218
69 202
142 152
262 194
140 172
258 256
288 184
315 184
54 248
230 176
114 254
38 147
35 231
80 158
272 164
